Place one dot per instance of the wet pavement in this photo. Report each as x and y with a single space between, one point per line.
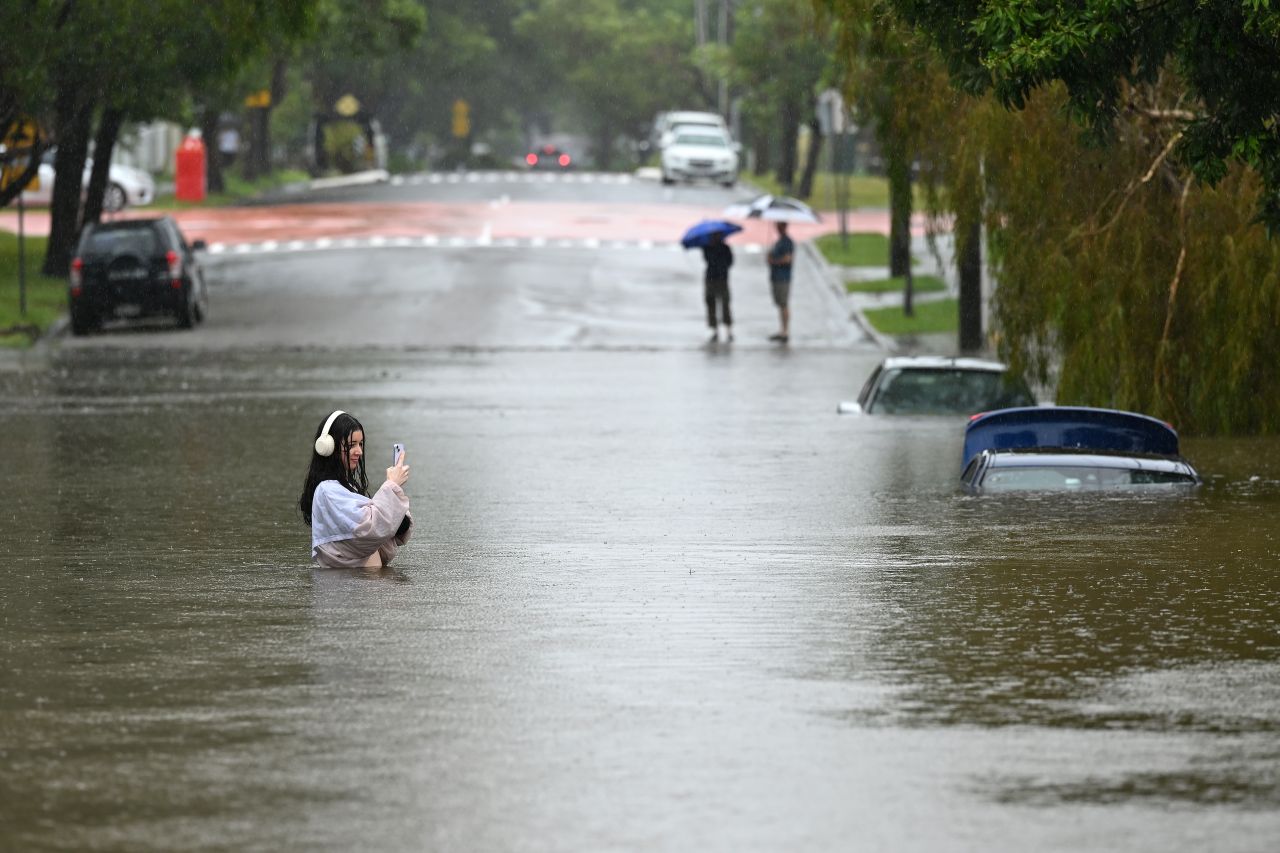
660 597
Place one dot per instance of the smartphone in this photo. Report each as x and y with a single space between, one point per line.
397 450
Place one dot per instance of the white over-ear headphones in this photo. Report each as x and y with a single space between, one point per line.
324 444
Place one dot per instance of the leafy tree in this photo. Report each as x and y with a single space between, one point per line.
92 66
613 64
780 54
1104 50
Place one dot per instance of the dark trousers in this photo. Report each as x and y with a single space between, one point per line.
717 290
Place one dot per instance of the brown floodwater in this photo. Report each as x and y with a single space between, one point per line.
656 599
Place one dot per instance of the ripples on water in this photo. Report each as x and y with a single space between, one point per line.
655 602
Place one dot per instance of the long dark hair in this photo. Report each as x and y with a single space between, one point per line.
330 467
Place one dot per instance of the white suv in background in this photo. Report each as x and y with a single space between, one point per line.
699 152
665 123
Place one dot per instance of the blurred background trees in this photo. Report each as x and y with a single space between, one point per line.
1118 163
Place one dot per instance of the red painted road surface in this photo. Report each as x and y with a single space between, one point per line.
552 220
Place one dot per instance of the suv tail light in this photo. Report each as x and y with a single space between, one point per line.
77 276
175 268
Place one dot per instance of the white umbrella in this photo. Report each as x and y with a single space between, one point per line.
773 208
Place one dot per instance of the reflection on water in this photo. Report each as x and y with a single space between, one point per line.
656 600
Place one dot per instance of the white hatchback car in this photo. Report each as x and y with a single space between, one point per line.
126 186
938 385
700 153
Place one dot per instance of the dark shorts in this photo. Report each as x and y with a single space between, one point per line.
781 292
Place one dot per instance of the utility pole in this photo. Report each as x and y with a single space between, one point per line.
702 35
722 102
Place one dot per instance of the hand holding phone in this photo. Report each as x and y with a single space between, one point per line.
398 473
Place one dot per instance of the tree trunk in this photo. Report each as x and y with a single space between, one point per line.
604 148
73 120
256 159
761 145
790 124
899 168
104 143
969 256
810 160
212 155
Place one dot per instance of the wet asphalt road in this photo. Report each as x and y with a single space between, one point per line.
661 596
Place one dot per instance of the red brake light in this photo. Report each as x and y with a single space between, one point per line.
548 149
564 159
975 417
77 276
175 268
531 159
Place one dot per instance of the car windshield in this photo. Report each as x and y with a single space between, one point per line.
1079 478
706 141
121 241
948 391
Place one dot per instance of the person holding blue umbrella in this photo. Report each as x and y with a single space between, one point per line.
709 236
719 258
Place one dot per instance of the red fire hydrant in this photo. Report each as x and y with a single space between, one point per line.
189 176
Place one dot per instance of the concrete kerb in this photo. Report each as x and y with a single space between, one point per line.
835 284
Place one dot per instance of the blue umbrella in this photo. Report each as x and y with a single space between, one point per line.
700 235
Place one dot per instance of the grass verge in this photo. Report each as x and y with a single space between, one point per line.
46 297
864 249
930 318
864 190
237 189
920 284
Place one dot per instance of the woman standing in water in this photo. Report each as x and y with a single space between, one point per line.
349 529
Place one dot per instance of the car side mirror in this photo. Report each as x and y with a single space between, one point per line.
737 147
847 408
199 245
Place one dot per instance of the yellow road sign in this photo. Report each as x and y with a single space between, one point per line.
461 118
260 99
347 106
23 134
11 173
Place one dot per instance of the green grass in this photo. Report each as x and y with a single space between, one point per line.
237 189
46 297
863 190
930 317
864 249
919 284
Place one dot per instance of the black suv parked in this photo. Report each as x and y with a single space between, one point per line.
136 268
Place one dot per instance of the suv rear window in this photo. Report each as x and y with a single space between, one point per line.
121 241
948 391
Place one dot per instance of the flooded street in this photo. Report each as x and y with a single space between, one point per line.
658 599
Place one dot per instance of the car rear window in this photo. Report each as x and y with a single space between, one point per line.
121 241
1079 478
699 139
948 392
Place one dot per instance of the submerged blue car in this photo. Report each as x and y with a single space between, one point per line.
1072 448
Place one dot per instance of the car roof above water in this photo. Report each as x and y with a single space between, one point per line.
127 224
1069 427
942 362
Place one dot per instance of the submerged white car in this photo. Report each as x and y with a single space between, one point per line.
126 186
700 153
938 385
